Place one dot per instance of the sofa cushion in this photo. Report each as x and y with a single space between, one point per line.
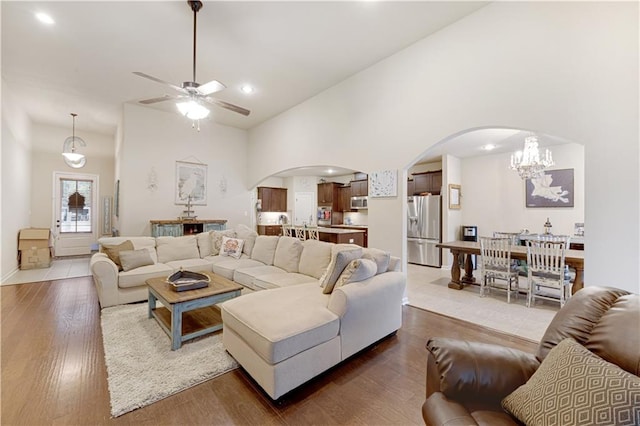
204 244
249 236
277 280
177 248
315 258
227 267
195 265
573 385
287 255
113 251
381 257
341 256
245 276
303 320
264 249
231 247
138 277
216 239
357 270
131 259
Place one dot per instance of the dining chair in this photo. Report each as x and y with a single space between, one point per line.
495 263
313 233
547 271
300 233
513 236
287 230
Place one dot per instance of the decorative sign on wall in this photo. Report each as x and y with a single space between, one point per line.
106 215
553 188
383 183
455 193
191 182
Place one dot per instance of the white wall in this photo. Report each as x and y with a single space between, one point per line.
157 139
560 68
15 207
452 218
494 196
47 158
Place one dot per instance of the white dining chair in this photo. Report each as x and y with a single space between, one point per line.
300 233
287 230
548 276
496 264
313 233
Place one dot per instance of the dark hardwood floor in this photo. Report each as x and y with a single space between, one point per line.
53 371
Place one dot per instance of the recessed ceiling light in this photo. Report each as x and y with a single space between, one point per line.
330 171
44 18
246 89
489 147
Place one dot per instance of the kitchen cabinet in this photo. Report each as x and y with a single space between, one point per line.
270 230
328 193
430 182
359 188
411 187
273 199
344 204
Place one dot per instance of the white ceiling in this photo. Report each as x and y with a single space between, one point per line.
290 51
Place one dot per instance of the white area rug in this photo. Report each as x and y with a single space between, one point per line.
141 366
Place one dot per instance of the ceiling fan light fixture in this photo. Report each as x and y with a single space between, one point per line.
192 110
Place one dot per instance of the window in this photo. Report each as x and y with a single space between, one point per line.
75 206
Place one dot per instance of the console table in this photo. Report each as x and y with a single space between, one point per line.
178 228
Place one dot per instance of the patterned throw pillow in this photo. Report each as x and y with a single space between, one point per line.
216 240
341 256
114 251
231 247
573 386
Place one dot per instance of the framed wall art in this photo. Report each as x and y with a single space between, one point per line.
191 183
553 188
383 183
116 199
454 196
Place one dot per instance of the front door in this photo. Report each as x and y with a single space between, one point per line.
75 213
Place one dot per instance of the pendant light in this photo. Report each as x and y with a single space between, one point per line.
71 157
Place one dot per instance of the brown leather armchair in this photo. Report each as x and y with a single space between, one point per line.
467 380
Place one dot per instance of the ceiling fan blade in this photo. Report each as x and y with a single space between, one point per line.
158 99
211 87
157 80
227 105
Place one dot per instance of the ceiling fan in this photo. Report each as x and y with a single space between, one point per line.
191 92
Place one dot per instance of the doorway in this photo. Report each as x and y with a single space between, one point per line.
75 213
303 212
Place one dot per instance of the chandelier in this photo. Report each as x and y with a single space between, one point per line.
528 162
71 157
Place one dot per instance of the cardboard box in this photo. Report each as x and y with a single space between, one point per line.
34 248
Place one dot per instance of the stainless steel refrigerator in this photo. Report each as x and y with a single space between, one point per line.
424 230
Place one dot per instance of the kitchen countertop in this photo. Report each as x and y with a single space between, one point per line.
338 230
351 226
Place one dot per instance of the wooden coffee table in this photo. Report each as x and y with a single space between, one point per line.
189 314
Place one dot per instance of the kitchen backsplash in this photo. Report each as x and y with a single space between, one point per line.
355 218
272 218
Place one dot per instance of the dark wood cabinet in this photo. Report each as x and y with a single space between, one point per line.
411 187
273 199
359 188
344 202
270 230
328 193
430 182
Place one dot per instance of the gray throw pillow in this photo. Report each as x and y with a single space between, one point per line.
358 270
131 259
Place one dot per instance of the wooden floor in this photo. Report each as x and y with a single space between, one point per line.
53 371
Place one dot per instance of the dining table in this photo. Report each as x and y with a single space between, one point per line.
462 252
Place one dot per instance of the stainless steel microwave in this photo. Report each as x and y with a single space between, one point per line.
359 203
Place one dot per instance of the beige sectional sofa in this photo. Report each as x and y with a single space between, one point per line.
324 302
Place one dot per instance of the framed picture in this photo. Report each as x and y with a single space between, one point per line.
454 196
383 183
191 183
553 188
116 199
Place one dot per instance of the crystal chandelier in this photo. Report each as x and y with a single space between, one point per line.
528 163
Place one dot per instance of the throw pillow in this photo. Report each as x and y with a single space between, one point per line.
216 240
114 251
204 244
249 236
231 247
381 257
340 258
575 386
357 270
131 259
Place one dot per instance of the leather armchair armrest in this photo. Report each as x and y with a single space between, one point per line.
438 410
476 372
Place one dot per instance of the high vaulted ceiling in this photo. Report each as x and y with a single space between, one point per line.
289 51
